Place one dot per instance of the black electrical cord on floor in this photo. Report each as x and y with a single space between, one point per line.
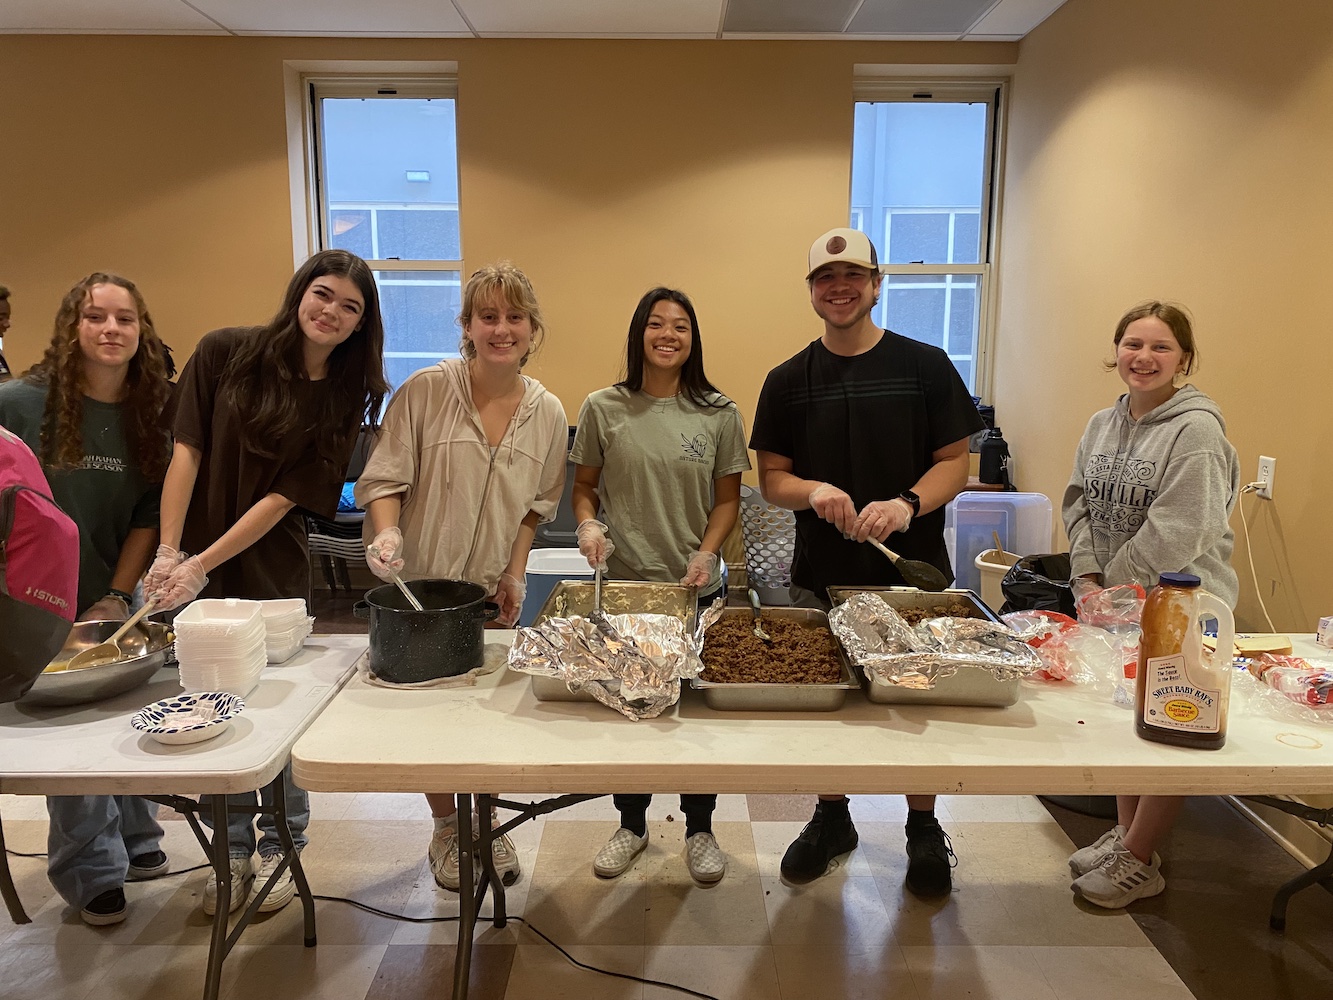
568 957
444 920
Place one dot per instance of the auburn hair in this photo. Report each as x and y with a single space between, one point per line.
147 391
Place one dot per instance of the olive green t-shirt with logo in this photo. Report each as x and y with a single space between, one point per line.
106 495
659 459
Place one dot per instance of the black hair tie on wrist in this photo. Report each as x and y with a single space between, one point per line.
113 592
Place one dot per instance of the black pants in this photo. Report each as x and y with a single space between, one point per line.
698 809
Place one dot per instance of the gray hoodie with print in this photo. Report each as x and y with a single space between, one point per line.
1155 495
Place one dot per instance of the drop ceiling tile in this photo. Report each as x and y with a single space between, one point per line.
593 17
1015 18
907 17
787 16
99 16
336 17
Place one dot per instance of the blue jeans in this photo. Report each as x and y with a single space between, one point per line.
241 827
91 840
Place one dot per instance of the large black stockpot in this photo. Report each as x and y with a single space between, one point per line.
444 640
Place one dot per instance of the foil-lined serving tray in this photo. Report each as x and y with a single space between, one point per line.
967 686
576 597
759 697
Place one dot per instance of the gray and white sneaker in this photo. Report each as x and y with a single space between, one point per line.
1085 859
1120 879
705 859
443 856
283 889
505 856
618 853
242 874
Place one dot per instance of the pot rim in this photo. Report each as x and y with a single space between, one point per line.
389 588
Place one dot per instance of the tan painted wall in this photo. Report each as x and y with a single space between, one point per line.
602 168
1180 151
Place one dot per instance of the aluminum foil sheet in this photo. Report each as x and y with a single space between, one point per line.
632 663
886 647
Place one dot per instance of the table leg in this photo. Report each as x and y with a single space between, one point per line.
217 949
1322 872
7 890
487 837
294 857
466 905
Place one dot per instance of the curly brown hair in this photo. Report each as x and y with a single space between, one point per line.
147 391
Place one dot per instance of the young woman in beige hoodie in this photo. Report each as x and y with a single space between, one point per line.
469 460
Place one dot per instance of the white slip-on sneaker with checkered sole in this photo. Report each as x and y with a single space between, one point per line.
705 859
618 853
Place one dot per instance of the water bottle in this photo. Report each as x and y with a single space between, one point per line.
1182 691
994 454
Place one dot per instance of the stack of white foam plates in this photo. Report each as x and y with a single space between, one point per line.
286 625
221 645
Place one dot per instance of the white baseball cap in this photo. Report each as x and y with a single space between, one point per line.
850 245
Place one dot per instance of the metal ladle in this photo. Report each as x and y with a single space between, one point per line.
758 629
411 597
915 573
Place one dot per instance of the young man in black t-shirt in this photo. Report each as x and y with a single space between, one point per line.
863 434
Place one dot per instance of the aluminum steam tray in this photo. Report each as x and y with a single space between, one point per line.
967 685
759 697
575 597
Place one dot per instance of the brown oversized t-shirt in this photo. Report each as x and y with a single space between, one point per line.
232 479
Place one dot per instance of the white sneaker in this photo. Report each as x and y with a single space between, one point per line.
443 855
1120 879
283 889
506 859
704 858
242 874
1085 859
618 853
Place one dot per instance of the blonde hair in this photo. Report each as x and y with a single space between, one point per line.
512 286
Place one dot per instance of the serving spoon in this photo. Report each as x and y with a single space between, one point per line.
411 597
759 632
915 573
109 651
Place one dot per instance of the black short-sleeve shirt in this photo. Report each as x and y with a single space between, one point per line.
869 425
232 478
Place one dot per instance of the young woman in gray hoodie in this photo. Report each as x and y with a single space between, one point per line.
1154 483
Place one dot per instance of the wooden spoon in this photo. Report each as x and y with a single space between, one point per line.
109 651
918 574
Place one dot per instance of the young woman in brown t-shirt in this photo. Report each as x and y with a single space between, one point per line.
265 426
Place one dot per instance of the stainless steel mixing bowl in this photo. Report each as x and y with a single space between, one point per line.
145 646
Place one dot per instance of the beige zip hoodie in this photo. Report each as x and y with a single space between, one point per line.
461 504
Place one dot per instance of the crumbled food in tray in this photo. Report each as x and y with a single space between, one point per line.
955 609
798 654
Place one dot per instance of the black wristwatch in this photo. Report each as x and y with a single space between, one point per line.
913 499
113 592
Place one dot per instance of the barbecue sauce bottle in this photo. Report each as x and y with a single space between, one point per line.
1181 693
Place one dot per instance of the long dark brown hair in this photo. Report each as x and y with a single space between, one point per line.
694 384
259 376
147 391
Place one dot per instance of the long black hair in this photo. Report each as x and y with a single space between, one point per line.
259 376
694 384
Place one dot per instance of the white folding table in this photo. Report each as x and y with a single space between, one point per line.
1056 740
92 750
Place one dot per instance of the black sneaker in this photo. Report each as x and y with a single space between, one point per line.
106 909
145 866
827 835
929 859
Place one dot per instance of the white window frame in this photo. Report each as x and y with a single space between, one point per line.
305 84
993 93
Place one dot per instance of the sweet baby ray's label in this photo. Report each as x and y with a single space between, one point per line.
1174 702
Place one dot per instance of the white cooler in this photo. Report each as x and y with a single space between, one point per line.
546 568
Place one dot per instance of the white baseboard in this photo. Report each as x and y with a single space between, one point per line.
1305 841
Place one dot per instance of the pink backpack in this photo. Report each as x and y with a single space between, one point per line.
39 569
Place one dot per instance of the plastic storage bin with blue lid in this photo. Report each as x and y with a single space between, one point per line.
546 568
1022 520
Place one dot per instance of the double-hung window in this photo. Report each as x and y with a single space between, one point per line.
923 172
385 187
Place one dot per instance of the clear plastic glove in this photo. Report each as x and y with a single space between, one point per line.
109 609
384 555
594 544
183 585
165 561
699 570
509 593
880 519
834 506
1084 586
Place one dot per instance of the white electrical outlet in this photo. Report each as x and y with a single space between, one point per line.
1265 477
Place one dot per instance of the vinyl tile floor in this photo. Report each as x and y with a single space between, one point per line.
1011 929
